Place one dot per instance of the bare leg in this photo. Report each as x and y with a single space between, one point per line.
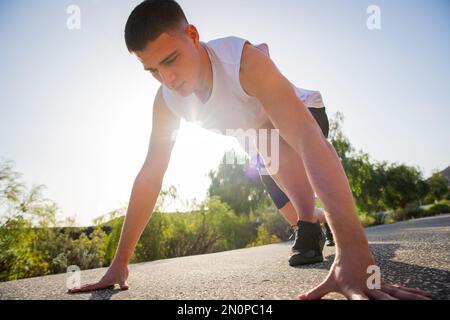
290 215
298 189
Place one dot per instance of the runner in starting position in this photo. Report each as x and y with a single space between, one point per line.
229 83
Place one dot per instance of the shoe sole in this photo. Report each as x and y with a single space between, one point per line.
303 261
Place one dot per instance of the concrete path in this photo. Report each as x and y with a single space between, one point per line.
415 253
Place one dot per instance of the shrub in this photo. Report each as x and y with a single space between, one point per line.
438 209
113 239
212 227
18 257
366 220
263 238
86 252
276 224
379 217
408 213
152 245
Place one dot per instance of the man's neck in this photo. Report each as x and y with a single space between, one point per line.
205 82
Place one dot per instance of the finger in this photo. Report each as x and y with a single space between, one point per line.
379 295
316 293
414 290
91 287
400 293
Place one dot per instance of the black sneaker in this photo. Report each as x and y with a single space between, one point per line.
329 235
308 245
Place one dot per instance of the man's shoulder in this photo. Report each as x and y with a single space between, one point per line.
253 60
228 49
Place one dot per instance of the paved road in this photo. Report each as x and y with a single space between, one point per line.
414 253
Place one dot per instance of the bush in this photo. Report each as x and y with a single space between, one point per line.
379 217
233 231
438 209
445 201
408 213
30 252
263 238
275 224
113 239
366 220
18 257
86 252
152 244
212 227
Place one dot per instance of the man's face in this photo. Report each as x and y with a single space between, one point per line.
174 60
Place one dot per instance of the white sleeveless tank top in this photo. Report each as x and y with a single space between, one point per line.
229 106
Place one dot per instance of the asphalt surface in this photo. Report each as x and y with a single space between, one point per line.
415 253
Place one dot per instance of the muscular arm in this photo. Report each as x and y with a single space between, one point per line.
348 274
261 78
147 184
146 188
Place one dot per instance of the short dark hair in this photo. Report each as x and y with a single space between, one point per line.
149 20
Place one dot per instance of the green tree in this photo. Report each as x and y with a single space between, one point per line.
375 186
24 226
234 231
238 185
17 257
437 187
363 176
401 186
31 244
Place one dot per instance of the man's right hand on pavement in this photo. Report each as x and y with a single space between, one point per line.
116 274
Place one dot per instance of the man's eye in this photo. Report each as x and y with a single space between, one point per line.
170 61
167 62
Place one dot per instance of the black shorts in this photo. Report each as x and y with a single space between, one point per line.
279 197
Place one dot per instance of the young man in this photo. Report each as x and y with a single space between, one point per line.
228 84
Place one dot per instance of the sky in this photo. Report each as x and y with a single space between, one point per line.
76 107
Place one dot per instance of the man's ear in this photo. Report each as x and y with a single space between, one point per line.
192 33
